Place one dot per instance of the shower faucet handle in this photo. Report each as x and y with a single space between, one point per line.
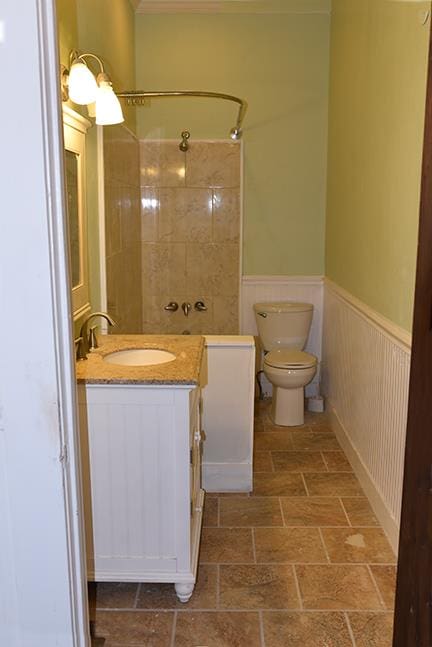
172 306
200 306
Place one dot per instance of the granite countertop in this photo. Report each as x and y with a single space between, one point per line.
185 369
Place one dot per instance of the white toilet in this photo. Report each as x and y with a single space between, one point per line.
283 328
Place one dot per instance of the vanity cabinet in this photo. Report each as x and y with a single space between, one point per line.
141 455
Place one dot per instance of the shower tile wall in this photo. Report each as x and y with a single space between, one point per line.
123 229
190 207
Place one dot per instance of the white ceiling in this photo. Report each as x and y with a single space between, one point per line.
232 6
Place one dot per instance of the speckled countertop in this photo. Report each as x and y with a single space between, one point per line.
185 369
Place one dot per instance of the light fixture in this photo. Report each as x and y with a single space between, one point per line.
80 85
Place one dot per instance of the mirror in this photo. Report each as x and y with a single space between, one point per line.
75 127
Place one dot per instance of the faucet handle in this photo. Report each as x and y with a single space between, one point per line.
200 306
172 306
79 349
92 340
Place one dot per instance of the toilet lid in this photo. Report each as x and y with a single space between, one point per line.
289 358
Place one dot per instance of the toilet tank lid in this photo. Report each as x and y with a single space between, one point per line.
282 306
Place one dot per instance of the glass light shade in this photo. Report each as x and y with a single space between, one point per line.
82 84
108 108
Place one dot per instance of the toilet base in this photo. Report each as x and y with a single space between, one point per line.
287 407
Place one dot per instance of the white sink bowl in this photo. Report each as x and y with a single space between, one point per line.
139 357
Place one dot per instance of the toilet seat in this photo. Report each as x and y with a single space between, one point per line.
289 358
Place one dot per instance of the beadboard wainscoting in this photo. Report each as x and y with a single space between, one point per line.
365 378
308 289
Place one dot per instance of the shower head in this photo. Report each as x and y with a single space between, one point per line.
184 145
236 133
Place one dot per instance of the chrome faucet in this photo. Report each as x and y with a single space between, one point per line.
186 307
87 339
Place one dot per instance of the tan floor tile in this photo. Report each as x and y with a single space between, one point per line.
337 587
163 596
112 595
258 587
283 545
212 495
314 440
251 511
211 508
311 511
359 511
218 629
357 545
385 577
271 426
333 484
135 627
305 629
262 462
230 545
315 419
337 462
258 425
372 629
278 484
273 441
298 462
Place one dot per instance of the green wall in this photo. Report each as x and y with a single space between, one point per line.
279 64
378 66
107 30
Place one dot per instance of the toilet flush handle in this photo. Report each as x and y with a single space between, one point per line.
262 314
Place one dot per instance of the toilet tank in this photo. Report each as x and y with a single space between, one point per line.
283 324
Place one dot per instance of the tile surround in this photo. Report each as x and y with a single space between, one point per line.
190 235
123 228
291 582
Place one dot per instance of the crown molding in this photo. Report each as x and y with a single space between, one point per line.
233 6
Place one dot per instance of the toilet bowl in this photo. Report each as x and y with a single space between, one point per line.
289 371
283 328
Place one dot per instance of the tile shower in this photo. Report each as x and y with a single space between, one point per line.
189 237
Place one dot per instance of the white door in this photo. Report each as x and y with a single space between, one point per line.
42 577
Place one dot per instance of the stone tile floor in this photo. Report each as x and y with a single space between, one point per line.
300 561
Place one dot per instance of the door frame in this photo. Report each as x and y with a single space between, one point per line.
43 589
413 609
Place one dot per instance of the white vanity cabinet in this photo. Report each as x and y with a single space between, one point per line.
141 454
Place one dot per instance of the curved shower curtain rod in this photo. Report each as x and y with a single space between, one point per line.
133 98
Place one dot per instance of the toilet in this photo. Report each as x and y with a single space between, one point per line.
283 328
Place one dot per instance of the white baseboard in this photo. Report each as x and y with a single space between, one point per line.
227 477
383 514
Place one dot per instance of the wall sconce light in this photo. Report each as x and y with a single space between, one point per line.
80 85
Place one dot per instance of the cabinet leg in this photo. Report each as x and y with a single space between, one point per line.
184 591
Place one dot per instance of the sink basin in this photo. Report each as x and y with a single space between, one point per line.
139 357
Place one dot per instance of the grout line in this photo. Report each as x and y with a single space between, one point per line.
217 586
218 512
350 631
247 610
261 624
304 483
324 545
325 462
281 511
376 586
254 546
271 462
173 630
296 563
137 594
346 513
297 585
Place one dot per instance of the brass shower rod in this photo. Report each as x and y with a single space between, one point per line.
136 97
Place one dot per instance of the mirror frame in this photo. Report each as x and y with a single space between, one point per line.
75 127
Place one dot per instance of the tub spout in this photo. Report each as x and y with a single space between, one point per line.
186 307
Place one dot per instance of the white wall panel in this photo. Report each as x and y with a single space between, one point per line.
366 367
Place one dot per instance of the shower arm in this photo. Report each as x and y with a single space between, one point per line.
133 96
